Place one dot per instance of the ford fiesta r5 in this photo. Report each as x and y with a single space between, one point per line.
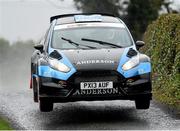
88 57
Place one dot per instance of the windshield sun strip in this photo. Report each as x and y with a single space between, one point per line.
78 25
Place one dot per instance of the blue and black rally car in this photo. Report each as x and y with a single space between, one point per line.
88 57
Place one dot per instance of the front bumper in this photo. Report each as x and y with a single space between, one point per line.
69 91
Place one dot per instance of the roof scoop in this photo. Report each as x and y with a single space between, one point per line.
55 54
88 18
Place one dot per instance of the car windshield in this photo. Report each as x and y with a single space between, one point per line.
91 37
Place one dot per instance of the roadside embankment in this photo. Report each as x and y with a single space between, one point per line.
162 39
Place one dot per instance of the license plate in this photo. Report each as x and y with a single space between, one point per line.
96 85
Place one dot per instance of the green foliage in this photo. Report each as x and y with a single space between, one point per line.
4 125
15 59
99 6
140 14
4 46
17 51
163 45
136 13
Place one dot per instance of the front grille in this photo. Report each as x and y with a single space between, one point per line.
96 79
94 76
97 76
94 73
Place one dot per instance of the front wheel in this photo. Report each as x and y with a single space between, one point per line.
142 103
45 105
35 96
35 90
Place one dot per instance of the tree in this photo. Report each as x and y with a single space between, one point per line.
136 13
140 14
15 60
99 6
4 47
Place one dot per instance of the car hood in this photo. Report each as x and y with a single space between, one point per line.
97 59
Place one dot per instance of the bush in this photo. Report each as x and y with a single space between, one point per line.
162 39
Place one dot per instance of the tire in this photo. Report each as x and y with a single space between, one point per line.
45 105
142 103
35 96
35 91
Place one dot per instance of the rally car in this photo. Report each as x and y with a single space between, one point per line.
89 57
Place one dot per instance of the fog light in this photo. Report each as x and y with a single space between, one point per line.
63 83
130 80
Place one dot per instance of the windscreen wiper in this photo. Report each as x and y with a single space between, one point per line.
101 42
76 44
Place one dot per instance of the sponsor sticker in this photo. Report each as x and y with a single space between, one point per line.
84 18
111 91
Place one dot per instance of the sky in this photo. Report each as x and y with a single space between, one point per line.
29 19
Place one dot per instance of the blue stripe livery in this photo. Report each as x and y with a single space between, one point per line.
140 69
47 71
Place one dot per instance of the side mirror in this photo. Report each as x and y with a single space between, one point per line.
39 47
139 44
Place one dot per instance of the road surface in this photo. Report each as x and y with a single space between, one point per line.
17 105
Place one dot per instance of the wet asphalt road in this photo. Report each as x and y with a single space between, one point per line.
19 108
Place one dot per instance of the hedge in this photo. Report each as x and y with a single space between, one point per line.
162 39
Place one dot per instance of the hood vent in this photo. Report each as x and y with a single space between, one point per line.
55 54
131 53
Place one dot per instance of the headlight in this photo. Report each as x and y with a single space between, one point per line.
133 62
55 64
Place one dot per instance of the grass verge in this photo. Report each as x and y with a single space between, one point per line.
170 101
4 125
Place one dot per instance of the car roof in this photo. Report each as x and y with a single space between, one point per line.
70 18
